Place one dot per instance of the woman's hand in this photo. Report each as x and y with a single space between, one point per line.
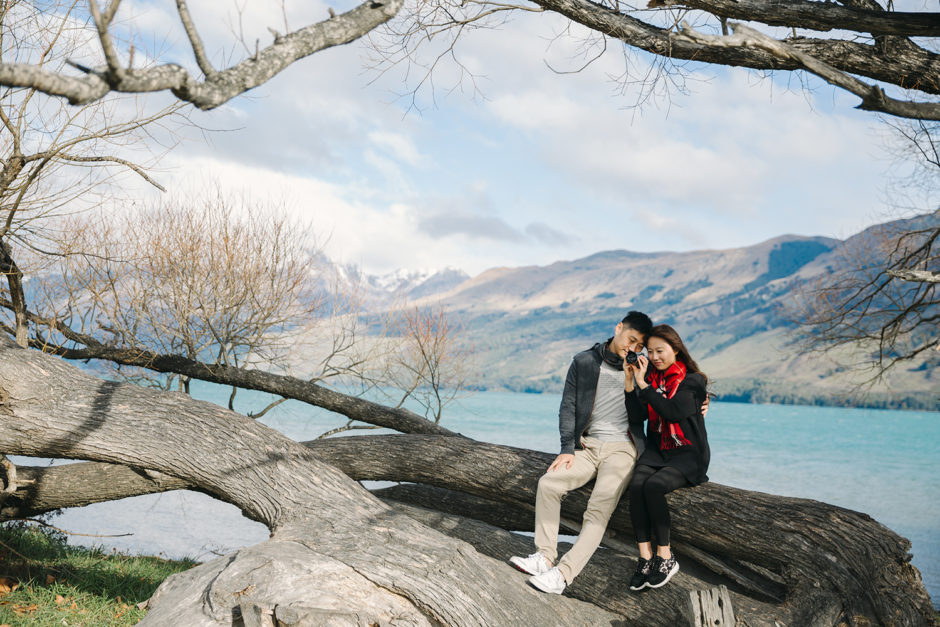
565 459
642 364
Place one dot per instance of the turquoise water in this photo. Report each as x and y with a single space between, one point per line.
881 462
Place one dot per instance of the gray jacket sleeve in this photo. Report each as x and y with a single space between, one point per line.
566 413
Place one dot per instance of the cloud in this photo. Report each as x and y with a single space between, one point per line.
471 226
544 234
491 182
400 146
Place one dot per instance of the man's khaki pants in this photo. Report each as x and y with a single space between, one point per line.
612 463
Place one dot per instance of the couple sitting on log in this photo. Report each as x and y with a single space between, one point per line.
610 391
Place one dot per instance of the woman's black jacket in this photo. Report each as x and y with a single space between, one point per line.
683 408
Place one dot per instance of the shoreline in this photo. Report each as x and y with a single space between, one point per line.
753 392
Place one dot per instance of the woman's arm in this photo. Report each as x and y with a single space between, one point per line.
637 412
685 402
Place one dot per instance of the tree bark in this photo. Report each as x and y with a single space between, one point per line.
42 489
605 581
51 409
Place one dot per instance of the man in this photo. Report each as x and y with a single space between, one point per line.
597 442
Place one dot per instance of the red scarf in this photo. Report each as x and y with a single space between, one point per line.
666 382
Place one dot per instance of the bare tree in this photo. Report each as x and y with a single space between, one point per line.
432 362
212 277
882 302
58 159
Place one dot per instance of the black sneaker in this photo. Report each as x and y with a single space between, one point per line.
638 581
661 571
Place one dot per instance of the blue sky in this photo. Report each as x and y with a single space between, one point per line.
534 167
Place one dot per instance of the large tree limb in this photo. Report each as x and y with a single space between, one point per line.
286 386
873 97
910 68
218 87
51 409
820 16
917 276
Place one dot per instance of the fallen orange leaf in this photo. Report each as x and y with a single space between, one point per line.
25 609
50 580
59 599
8 585
74 605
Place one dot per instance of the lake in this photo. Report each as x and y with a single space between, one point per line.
881 462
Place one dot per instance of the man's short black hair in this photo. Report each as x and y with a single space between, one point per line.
638 321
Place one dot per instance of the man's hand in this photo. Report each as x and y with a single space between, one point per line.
628 371
565 459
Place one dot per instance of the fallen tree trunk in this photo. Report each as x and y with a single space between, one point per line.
315 513
813 548
605 580
817 556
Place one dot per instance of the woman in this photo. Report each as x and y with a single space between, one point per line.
670 398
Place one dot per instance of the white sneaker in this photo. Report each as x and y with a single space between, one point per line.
535 564
550 581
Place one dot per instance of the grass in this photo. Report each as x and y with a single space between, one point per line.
43 581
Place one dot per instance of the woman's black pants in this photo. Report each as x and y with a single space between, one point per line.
648 509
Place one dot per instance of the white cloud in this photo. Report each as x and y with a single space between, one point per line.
550 166
400 146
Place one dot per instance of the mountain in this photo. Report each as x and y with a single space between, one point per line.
381 290
731 307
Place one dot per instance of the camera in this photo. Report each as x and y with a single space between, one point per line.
631 358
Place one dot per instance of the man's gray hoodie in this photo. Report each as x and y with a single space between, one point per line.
577 401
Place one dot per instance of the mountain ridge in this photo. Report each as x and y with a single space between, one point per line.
734 307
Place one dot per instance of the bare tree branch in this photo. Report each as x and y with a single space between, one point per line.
199 50
217 88
876 302
106 159
919 276
819 16
873 97
896 59
115 71
360 409
17 301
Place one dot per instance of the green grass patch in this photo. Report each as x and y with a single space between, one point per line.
43 581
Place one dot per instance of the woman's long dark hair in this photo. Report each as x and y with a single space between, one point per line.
667 334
